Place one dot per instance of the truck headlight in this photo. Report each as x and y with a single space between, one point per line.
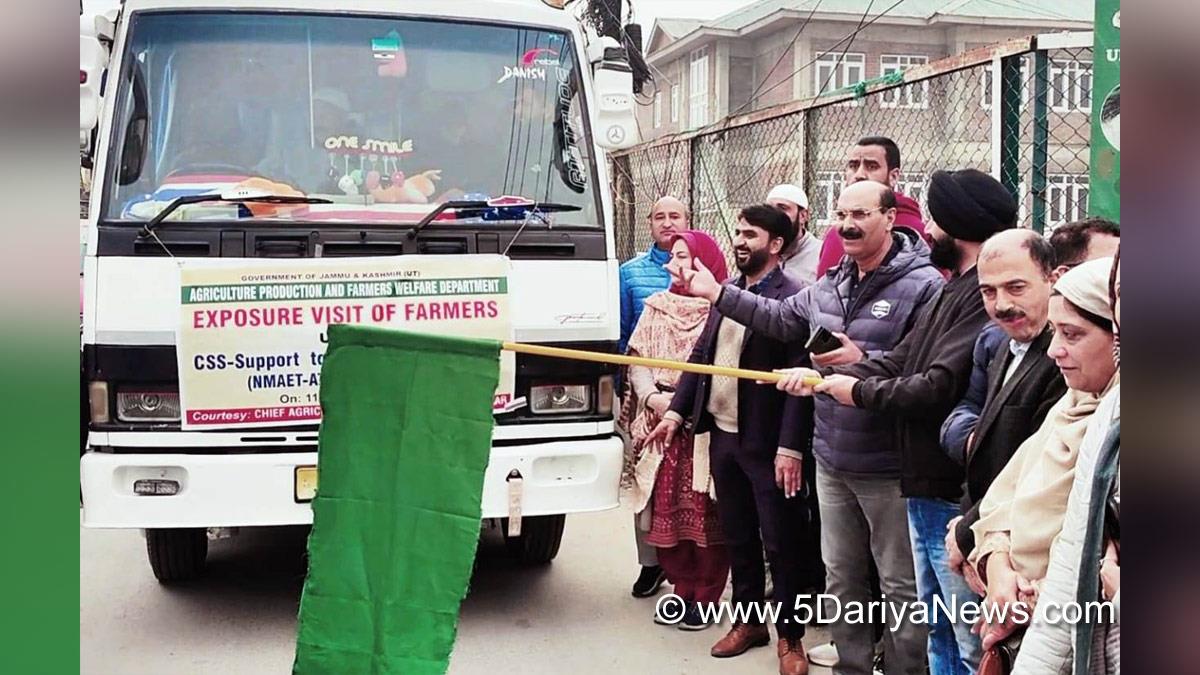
550 399
148 406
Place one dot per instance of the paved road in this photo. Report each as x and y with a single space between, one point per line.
573 616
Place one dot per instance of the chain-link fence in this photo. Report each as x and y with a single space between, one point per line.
1032 132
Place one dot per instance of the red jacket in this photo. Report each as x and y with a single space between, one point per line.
908 214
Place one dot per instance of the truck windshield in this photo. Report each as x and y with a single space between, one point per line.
386 117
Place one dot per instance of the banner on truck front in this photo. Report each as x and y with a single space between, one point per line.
252 335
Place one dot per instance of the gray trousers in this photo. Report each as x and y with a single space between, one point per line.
863 517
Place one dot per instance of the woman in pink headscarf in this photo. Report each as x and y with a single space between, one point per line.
683 522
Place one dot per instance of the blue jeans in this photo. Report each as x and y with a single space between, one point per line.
953 649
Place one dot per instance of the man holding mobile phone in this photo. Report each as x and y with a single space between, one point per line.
868 303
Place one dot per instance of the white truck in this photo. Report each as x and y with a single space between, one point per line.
388 109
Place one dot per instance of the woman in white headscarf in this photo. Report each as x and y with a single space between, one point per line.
1049 647
1023 510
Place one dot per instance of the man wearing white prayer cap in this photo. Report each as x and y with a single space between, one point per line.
805 251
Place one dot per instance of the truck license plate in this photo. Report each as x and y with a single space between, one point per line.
306 483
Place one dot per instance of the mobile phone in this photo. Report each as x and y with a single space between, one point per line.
821 341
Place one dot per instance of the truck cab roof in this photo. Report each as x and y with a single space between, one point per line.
532 12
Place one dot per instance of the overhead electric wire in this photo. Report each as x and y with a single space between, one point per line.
851 36
862 24
791 43
817 94
848 41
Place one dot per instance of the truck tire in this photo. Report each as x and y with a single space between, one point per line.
177 554
539 539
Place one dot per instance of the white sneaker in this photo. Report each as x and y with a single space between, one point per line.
824 655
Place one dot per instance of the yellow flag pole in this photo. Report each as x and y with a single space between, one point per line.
621 359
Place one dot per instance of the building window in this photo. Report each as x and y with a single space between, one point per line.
985 98
909 96
823 198
835 71
674 103
698 89
1070 86
1083 86
657 110
828 187
1066 198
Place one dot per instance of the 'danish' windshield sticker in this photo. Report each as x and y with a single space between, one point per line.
522 73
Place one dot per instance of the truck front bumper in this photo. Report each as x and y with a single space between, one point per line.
259 489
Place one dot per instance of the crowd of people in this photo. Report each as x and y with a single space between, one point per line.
945 427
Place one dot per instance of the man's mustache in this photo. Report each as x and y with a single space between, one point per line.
851 233
1008 314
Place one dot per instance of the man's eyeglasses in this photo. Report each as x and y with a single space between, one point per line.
856 214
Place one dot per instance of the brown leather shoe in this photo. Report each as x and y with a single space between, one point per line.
741 637
792 660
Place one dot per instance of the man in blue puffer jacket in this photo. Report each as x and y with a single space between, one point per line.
641 277
645 274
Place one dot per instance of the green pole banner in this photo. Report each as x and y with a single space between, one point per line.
405 441
1104 198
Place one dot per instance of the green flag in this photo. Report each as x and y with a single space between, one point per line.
405 439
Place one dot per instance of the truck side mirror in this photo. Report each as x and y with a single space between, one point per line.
615 124
92 60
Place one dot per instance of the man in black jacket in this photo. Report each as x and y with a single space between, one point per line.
1016 273
759 439
921 381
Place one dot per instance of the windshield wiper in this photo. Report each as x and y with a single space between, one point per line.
235 198
492 209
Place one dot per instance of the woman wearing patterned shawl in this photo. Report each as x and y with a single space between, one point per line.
683 522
